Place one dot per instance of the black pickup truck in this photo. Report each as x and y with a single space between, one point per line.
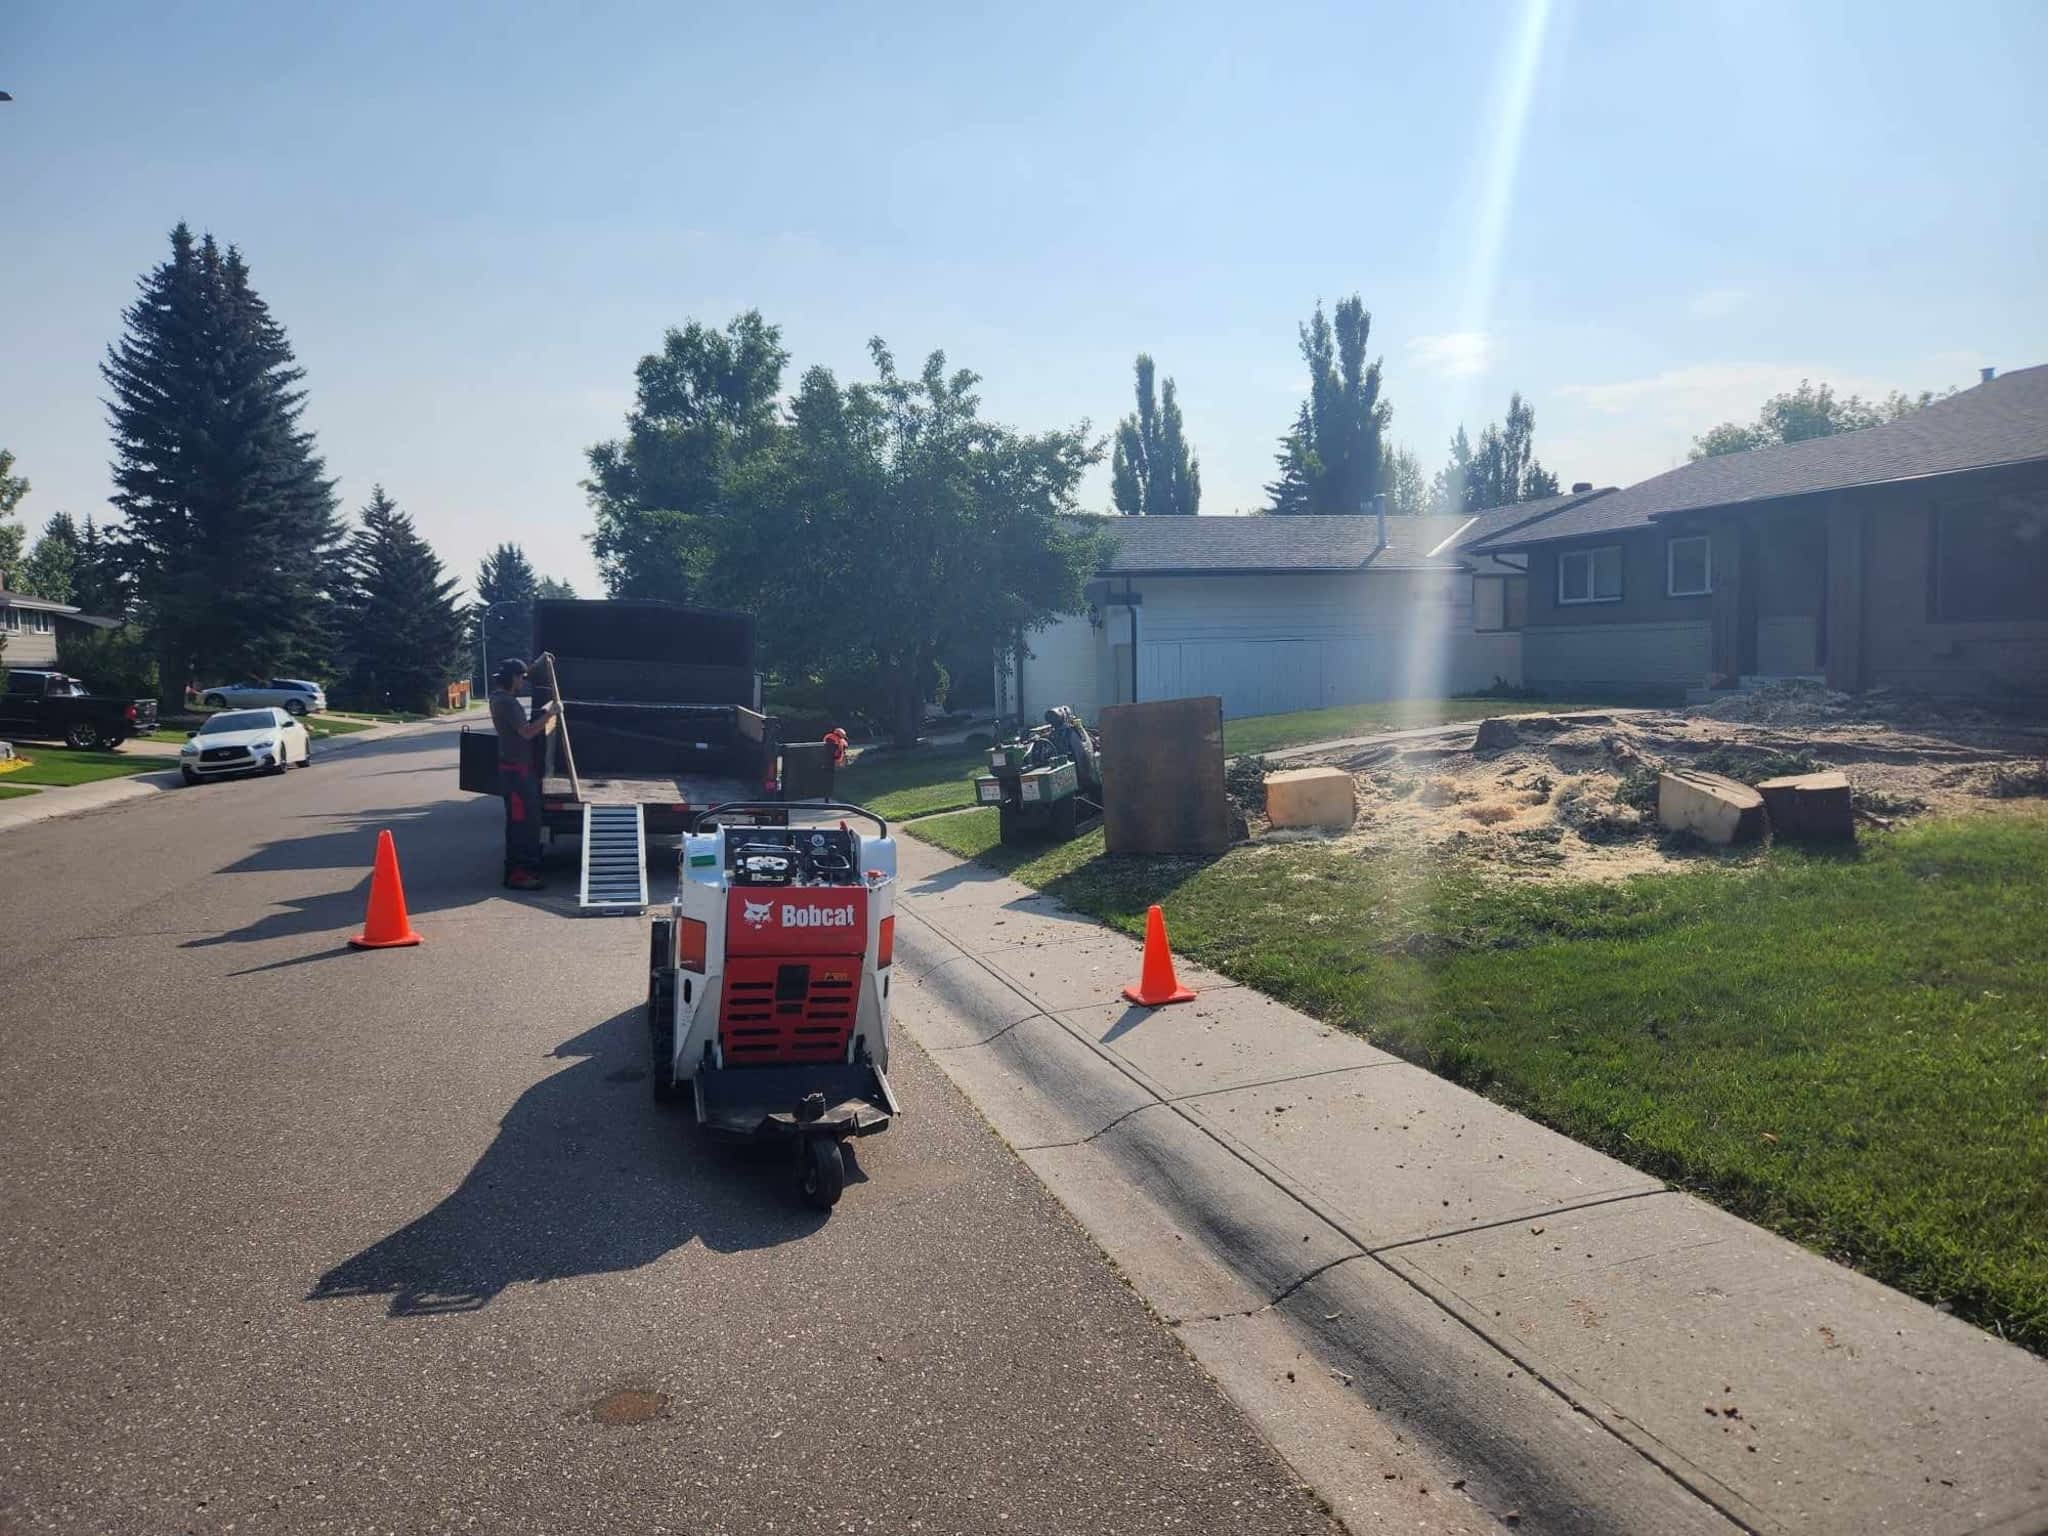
661 703
49 706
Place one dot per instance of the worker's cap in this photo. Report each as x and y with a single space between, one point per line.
509 669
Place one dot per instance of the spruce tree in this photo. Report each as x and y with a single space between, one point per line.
404 630
98 584
1152 471
502 616
230 529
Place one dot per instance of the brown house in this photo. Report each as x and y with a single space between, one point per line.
1912 555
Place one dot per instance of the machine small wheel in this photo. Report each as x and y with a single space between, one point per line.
661 1036
821 1172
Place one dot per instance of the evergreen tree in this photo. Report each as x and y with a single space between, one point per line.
549 587
1289 494
12 489
1332 461
51 570
231 535
1152 471
405 631
501 619
98 585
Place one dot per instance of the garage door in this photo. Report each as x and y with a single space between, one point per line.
1252 677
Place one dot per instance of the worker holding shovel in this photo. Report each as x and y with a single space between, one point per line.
515 773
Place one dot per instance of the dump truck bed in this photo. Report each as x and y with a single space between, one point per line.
695 790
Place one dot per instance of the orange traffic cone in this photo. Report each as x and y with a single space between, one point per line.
1156 983
386 926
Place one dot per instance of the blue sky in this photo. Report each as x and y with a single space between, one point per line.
473 220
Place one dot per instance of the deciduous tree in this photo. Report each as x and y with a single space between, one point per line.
703 405
51 569
1500 471
13 488
1152 470
1332 461
893 523
1811 410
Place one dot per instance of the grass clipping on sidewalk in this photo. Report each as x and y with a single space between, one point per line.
1851 1048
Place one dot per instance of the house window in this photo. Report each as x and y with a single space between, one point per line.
1499 602
1688 567
1991 559
13 618
1590 575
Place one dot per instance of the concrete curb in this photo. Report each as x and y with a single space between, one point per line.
1407 1286
50 802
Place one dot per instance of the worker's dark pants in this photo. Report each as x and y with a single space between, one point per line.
522 819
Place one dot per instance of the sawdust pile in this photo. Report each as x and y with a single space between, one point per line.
1575 796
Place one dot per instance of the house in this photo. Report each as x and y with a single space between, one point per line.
1911 555
31 626
1279 613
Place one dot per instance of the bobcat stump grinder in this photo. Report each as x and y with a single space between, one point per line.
768 992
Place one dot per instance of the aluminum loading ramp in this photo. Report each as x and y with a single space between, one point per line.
614 861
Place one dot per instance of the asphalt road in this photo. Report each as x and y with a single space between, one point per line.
294 1238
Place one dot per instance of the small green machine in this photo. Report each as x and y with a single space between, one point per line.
1046 784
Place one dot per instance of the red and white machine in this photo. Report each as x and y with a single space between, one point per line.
768 992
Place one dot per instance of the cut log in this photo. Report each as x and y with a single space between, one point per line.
1810 807
1311 797
1717 810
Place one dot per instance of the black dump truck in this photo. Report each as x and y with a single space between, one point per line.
50 706
662 710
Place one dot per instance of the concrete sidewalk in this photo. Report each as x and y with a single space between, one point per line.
1410 1287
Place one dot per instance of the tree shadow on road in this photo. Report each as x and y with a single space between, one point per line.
450 857
587 1176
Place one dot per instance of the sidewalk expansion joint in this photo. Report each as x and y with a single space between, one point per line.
1546 1213
1054 1146
1297 1077
1264 1307
975 1045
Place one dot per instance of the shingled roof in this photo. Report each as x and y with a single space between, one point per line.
2004 421
1169 546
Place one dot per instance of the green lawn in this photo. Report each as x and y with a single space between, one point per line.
1852 1050
1266 733
60 765
331 725
13 791
915 783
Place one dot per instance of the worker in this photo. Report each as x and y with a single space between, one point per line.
515 772
836 740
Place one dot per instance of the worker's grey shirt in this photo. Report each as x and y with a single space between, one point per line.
509 716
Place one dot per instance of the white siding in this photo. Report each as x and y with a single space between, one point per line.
1272 643
1063 665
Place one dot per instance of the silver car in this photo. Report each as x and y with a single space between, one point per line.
289 693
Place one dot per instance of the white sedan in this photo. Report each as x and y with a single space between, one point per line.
245 741
293 693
